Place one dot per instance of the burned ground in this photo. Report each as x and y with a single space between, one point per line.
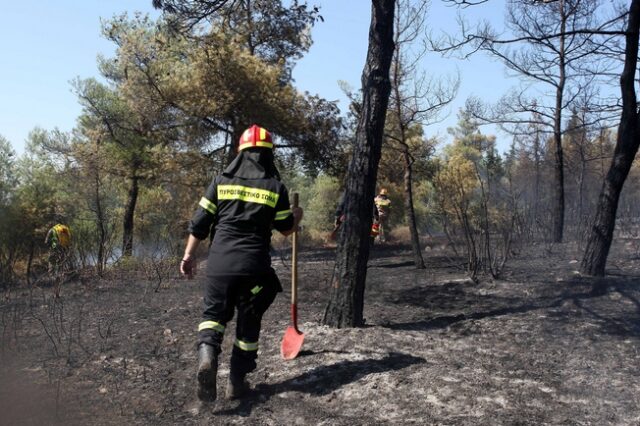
542 345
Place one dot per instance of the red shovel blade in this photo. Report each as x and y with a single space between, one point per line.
291 343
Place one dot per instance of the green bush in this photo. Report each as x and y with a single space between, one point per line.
324 196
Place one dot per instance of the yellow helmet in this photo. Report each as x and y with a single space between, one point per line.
383 191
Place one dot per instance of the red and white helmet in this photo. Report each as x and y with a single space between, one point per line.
255 136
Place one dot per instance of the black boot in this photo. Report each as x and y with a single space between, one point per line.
237 386
207 371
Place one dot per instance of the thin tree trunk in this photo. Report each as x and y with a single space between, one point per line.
29 262
536 207
628 140
410 212
346 303
102 234
558 208
581 178
129 213
397 76
558 214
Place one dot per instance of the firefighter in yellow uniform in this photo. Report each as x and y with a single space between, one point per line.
58 240
238 211
383 204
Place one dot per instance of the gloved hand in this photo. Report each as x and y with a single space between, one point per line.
187 265
298 213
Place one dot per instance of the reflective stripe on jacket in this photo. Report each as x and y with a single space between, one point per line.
239 214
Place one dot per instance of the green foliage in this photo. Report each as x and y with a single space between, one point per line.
8 179
474 201
174 105
42 197
9 213
424 207
324 196
268 29
457 181
214 87
319 197
40 186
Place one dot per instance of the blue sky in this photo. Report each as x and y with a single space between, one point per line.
47 44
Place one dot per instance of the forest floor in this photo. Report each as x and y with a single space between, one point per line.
541 346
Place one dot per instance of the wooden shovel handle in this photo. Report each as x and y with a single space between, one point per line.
294 260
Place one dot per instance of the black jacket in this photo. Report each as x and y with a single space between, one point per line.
239 210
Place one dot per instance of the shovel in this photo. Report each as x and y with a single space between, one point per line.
292 340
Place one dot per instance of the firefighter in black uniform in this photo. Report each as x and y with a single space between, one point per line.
238 211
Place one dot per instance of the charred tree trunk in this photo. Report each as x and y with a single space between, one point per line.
410 212
346 302
558 208
101 224
129 213
628 140
29 263
535 218
581 179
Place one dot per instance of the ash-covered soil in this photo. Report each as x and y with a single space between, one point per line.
540 346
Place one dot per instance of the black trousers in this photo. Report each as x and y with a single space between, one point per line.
251 296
